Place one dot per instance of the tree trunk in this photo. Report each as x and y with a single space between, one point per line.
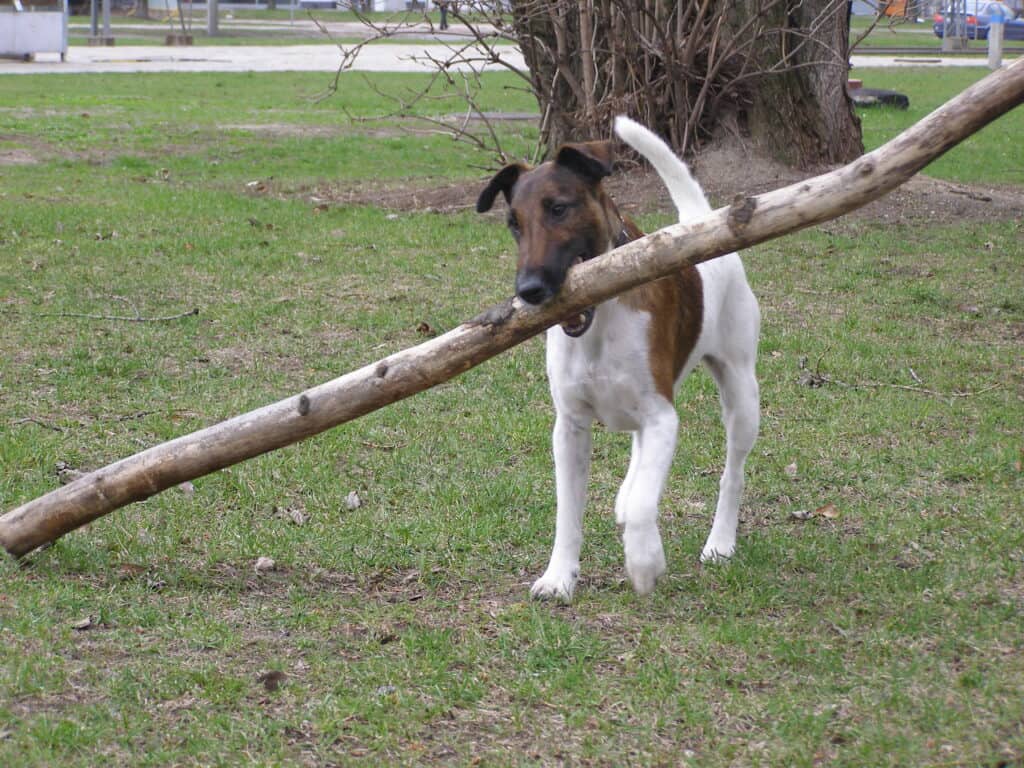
747 222
777 68
801 116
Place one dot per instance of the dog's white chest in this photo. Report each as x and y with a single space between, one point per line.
605 374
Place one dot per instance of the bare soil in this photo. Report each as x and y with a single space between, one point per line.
724 172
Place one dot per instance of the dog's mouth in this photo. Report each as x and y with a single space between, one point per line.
578 324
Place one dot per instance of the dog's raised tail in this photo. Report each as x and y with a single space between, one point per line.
686 193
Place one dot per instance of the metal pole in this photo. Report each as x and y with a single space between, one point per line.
94 19
954 28
211 18
995 41
106 21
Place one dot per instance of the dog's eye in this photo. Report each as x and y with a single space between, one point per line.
558 210
513 224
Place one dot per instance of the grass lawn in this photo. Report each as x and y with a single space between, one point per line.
889 33
897 33
399 631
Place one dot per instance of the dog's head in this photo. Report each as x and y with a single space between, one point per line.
558 214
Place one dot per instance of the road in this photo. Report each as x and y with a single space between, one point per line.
397 57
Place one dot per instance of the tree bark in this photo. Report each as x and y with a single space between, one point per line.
682 68
801 115
746 222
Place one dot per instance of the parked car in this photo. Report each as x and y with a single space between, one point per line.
979 20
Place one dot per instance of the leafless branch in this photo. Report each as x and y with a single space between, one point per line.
673 65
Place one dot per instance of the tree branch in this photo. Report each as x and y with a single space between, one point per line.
748 221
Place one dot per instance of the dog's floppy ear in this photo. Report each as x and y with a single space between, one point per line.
591 160
503 182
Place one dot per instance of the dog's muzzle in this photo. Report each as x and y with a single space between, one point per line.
537 286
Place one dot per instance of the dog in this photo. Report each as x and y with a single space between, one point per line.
622 361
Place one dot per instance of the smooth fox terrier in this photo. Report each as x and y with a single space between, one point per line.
622 361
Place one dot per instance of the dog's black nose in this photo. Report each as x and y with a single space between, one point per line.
533 288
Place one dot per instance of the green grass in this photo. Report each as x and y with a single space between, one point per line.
897 33
991 156
890 33
891 635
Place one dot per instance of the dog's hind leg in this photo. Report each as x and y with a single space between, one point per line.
571 445
737 387
654 445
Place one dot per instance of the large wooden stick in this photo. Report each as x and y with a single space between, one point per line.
749 220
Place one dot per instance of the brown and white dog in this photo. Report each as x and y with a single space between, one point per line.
622 362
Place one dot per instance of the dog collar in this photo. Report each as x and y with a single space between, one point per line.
623 237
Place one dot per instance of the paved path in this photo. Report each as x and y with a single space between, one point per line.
231 58
311 58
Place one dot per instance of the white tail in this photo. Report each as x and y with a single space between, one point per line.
686 193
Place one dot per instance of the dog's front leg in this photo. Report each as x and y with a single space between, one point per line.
571 445
653 447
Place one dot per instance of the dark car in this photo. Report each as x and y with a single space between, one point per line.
979 20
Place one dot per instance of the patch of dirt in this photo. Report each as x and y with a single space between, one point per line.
414 195
725 172
17 157
30 150
286 130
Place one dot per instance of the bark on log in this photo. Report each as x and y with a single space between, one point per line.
748 221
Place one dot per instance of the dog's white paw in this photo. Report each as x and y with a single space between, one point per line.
717 551
645 557
556 584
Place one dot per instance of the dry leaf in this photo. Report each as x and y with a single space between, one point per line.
297 516
83 624
272 680
790 470
827 511
131 570
800 514
265 564
67 473
352 501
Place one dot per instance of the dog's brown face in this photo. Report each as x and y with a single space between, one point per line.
558 214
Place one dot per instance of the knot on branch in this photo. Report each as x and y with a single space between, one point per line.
496 316
741 211
865 168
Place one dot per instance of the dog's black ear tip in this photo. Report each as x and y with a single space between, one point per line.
593 159
503 182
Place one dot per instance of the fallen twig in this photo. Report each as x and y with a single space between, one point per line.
817 379
38 423
121 318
